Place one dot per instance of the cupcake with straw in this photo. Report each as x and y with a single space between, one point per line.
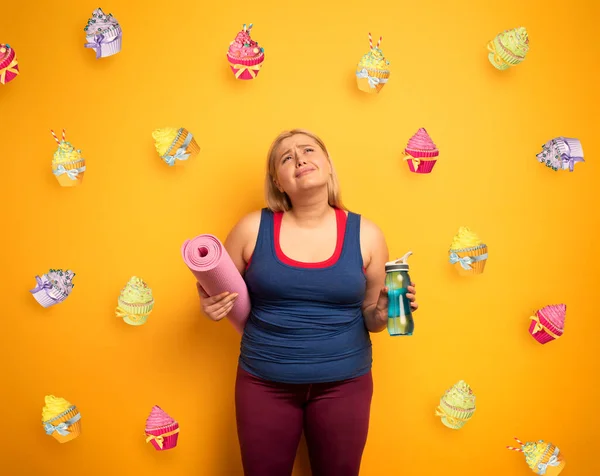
61 419
245 56
542 457
161 430
68 166
135 302
421 153
9 66
53 287
561 153
373 70
548 324
457 405
175 144
468 253
508 48
103 34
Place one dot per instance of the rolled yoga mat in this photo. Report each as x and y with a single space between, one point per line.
213 268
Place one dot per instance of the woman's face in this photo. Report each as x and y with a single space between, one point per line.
300 164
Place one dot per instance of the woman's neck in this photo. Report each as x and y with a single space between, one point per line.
310 213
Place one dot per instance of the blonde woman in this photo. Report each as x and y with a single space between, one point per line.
315 273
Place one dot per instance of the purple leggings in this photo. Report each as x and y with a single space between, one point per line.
271 416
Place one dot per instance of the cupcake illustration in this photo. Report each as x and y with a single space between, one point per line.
542 457
135 302
9 66
68 166
561 153
468 253
161 430
245 56
457 405
61 419
373 69
103 34
421 153
175 144
53 287
548 323
508 48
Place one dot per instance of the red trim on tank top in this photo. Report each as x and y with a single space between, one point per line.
341 219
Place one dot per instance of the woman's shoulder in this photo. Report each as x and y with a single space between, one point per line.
248 224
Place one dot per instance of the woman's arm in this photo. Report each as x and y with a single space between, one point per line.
241 240
375 255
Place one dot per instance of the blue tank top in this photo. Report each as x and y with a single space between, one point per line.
306 323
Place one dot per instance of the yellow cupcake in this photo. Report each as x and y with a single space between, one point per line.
175 144
61 419
468 253
135 302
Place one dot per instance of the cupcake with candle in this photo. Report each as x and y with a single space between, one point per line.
103 34
53 287
561 153
68 166
373 69
175 144
457 405
508 48
245 56
9 66
61 419
135 302
161 430
468 253
548 323
421 153
542 457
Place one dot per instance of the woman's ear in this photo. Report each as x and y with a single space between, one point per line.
277 185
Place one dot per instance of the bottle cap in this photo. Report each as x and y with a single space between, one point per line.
398 265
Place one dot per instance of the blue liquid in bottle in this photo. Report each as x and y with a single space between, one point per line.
397 280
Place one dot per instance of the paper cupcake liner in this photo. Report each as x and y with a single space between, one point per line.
168 442
542 336
192 148
425 166
246 68
135 314
64 180
550 470
478 266
45 297
9 68
364 84
455 418
74 430
418 153
108 47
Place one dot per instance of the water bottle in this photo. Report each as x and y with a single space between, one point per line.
397 280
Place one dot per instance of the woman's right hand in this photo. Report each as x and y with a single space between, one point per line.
216 307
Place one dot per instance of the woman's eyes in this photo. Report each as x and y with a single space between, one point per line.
308 149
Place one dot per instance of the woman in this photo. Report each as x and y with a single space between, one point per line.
315 273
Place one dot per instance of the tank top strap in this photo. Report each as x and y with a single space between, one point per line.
264 240
352 240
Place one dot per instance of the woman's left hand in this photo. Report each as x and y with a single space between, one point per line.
382 302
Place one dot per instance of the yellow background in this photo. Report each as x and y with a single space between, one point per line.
133 212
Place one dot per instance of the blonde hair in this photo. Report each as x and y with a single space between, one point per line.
279 201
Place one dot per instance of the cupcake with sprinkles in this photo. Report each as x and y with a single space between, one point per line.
68 166
542 457
9 66
373 70
561 153
245 56
103 34
135 302
53 287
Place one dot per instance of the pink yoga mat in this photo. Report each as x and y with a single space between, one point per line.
209 262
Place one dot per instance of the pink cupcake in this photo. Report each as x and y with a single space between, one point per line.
421 153
9 66
548 323
244 55
161 430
